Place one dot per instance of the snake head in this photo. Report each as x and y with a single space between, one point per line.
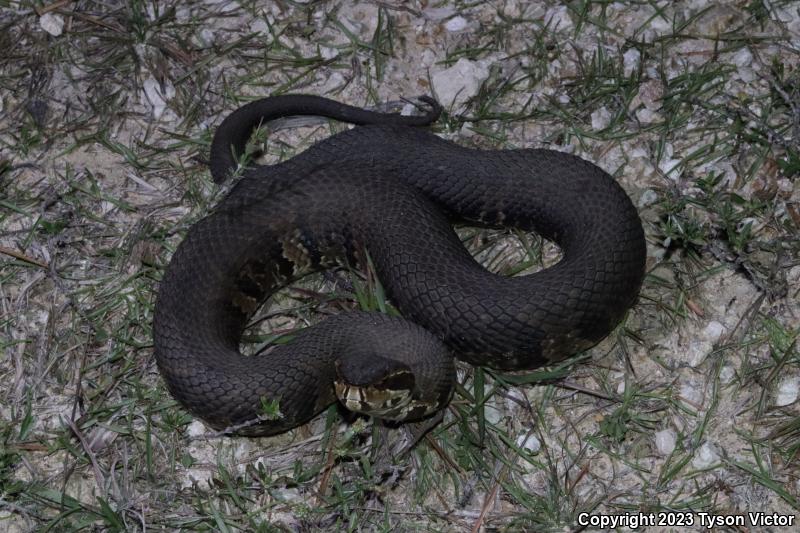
384 388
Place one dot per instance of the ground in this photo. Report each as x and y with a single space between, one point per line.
690 406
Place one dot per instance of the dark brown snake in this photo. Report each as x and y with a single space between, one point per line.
391 188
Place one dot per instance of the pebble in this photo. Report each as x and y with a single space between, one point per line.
790 17
529 443
428 57
206 36
12 523
196 428
706 456
456 24
436 14
651 93
328 52
259 26
52 24
558 18
665 441
492 411
793 276
713 331
692 395
744 60
466 131
353 26
648 198
661 24
726 374
459 83
290 494
601 118
698 351
158 96
670 167
201 476
787 391
646 116
631 60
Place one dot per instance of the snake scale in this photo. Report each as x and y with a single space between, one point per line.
391 188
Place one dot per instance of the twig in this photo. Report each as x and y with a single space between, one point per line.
22 257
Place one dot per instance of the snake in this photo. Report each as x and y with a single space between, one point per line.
386 193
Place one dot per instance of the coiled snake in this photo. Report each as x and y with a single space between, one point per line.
389 187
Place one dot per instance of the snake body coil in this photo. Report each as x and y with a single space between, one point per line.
391 188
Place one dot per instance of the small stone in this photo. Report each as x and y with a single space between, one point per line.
200 476
787 391
290 494
646 116
528 442
651 93
746 74
785 185
408 110
601 118
790 17
436 14
466 131
100 438
456 24
665 441
631 60
692 395
743 58
13 523
558 18
259 26
661 25
698 351
513 9
242 451
459 83
328 52
428 57
353 26
793 276
52 24
726 374
196 428
670 167
106 207
706 456
334 81
158 95
648 198
713 331
207 36
492 412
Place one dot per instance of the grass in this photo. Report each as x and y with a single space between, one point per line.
95 195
